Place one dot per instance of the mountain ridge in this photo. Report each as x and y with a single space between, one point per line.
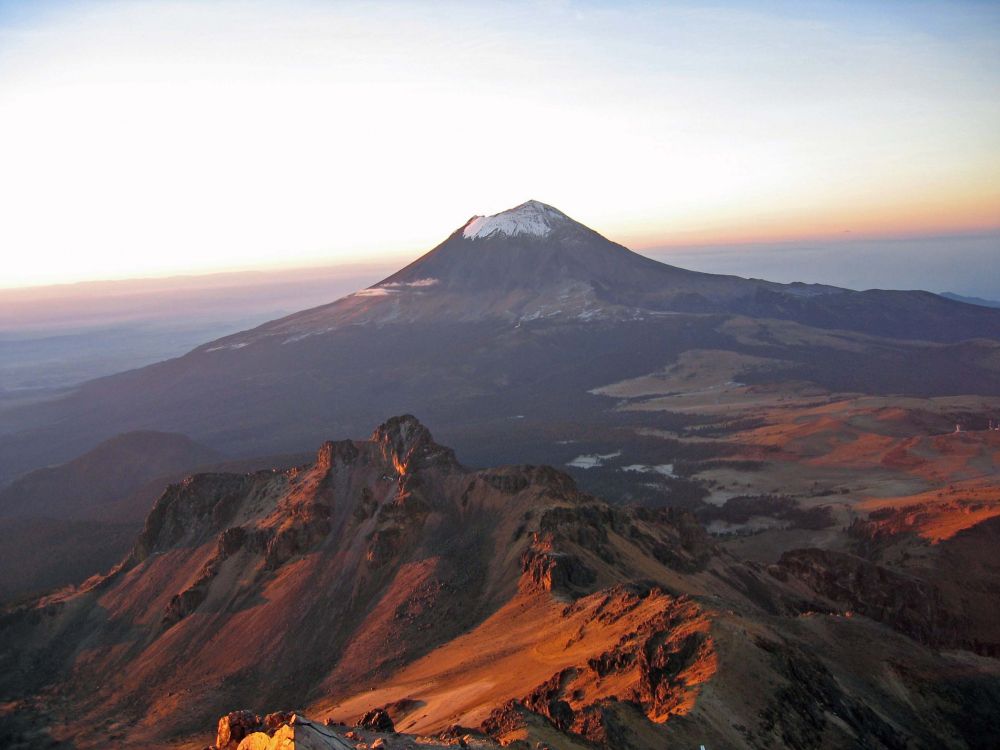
386 573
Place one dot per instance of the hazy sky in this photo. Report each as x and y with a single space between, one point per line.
147 138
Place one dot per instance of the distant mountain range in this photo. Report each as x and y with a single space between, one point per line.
971 300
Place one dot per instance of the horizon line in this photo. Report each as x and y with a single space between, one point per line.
403 256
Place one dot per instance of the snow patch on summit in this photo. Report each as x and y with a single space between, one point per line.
532 218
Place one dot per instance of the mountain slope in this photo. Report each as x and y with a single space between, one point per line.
97 484
385 573
970 300
533 262
519 319
65 523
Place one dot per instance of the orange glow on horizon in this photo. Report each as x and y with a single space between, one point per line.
831 229
960 212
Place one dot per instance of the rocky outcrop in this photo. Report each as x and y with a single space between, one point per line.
507 718
682 543
230 541
284 730
546 569
376 720
657 667
234 726
255 741
306 527
547 699
586 526
302 529
280 731
406 444
201 503
557 484
331 453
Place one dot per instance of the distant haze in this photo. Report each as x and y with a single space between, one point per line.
57 336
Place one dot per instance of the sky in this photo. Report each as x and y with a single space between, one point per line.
149 138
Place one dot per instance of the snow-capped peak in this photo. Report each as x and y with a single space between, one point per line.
532 217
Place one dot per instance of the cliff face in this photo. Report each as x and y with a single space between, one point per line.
387 574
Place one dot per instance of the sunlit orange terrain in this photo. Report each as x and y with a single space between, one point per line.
387 585
929 465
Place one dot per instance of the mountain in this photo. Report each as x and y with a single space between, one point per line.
63 524
970 300
98 484
533 262
527 263
387 574
498 336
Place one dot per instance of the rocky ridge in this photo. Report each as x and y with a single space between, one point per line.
386 575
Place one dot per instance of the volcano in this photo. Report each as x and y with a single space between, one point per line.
514 316
533 262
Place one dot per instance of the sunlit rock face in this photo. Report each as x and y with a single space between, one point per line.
385 584
321 577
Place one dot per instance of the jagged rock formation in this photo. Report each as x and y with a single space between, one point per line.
277 731
657 666
287 730
357 563
387 585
